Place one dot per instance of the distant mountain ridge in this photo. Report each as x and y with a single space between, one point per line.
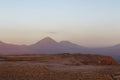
48 45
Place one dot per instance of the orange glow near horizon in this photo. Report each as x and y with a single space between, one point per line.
88 23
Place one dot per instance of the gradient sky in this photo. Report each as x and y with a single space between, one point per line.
86 22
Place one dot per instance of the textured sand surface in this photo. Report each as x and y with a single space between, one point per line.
57 67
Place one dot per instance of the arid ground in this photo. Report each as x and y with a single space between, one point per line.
47 68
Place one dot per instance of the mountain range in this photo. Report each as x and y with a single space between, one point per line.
48 45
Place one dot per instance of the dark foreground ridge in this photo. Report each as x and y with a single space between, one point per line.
65 59
59 67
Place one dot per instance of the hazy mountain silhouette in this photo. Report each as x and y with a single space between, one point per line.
6 48
48 45
73 48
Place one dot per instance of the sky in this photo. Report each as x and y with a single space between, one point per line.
91 23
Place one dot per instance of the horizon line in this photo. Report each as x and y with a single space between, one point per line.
57 42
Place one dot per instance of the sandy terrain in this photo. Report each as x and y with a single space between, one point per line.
47 70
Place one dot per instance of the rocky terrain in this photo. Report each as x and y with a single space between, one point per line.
65 59
59 67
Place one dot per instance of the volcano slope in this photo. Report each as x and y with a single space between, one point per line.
58 67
